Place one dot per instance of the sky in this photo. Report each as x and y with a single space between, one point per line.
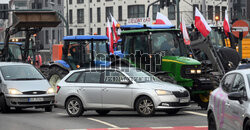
4 1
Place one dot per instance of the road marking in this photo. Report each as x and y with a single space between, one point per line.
200 126
62 114
103 122
161 127
195 113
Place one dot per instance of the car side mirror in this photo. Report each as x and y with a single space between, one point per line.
125 81
236 96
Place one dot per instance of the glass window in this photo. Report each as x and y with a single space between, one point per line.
81 78
171 12
227 82
80 31
70 2
98 14
156 8
109 10
80 15
113 77
98 31
70 16
90 15
136 11
165 42
59 2
73 77
239 84
223 12
217 11
120 13
20 72
92 77
80 1
210 13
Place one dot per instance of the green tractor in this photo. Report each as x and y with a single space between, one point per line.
160 50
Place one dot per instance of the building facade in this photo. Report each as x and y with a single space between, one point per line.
239 9
3 20
87 17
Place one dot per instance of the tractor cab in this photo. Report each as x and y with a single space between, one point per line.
15 52
85 51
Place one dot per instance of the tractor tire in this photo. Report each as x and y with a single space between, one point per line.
202 100
45 71
55 75
166 78
229 55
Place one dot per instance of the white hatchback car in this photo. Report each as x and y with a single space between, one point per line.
109 89
229 104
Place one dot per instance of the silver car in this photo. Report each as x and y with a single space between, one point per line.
229 104
23 86
109 89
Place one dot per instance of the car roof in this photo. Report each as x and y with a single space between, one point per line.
17 43
103 68
12 63
85 37
241 71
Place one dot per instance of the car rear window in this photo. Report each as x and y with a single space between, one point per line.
73 77
92 77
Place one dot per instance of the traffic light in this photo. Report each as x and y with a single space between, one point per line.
164 3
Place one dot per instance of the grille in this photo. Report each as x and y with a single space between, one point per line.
177 104
34 92
179 94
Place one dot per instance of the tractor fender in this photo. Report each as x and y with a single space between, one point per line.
62 64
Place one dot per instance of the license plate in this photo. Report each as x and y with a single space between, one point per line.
36 99
184 100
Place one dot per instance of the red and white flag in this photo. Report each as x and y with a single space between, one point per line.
162 19
114 24
110 37
201 24
226 25
184 32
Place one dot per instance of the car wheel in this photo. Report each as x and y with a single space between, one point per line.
4 107
48 109
172 111
102 112
145 106
247 125
211 122
74 107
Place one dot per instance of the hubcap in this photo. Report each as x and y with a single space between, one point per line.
54 80
146 106
73 107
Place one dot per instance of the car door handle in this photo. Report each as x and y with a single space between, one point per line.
227 104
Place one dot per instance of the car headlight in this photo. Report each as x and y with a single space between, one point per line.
162 92
50 91
14 91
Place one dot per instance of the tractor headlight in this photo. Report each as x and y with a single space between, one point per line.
192 71
198 71
14 91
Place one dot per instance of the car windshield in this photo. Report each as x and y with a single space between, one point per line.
100 50
165 42
216 38
14 52
140 76
20 72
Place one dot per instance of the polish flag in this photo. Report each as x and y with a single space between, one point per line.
226 25
110 37
114 23
161 19
201 24
185 33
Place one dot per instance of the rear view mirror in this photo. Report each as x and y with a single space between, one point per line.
125 81
236 96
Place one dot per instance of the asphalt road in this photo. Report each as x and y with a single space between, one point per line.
37 119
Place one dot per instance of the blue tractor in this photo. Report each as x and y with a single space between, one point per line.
79 51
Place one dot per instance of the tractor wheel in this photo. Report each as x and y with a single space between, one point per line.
45 71
166 78
202 100
55 75
229 55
